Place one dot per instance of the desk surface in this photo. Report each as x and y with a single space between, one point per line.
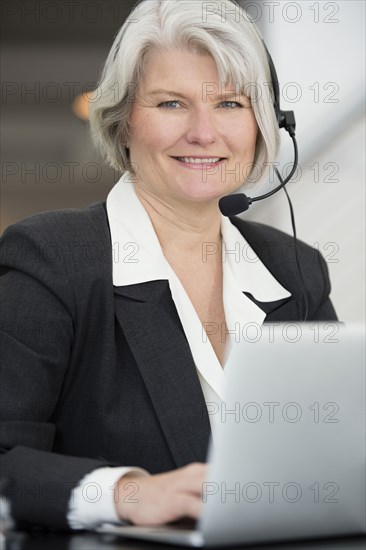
39 540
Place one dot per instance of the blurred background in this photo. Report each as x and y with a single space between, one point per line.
52 53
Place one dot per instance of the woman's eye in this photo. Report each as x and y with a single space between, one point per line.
235 103
168 103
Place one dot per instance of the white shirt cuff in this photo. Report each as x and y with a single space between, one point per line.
92 500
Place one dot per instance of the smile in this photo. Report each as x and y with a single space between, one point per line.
194 160
199 163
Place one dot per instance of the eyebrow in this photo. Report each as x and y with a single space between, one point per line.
178 94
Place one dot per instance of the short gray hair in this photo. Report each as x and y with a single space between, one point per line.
222 29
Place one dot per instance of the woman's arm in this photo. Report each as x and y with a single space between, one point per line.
37 332
37 337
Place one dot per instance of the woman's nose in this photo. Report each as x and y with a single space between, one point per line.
201 126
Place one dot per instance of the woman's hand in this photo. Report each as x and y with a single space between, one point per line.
161 498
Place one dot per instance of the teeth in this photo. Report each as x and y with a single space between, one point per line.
198 161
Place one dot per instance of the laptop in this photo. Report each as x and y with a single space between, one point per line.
289 457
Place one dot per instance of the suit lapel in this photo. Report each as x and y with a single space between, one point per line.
151 325
278 310
272 256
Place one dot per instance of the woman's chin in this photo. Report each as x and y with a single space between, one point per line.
201 194
201 199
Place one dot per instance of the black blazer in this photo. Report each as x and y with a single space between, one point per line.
96 375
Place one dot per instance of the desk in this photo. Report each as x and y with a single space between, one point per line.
39 540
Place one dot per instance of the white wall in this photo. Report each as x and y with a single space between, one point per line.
323 51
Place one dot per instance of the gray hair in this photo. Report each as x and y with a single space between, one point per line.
223 30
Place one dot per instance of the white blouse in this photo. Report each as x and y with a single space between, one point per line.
138 258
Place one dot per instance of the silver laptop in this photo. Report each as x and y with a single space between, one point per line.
289 456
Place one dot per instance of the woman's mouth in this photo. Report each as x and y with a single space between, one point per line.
196 163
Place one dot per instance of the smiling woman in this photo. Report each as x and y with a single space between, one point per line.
193 128
125 329
238 64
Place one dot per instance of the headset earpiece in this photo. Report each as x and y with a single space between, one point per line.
286 119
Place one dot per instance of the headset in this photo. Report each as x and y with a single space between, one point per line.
234 204
231 205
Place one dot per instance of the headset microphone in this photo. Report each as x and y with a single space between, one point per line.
231 205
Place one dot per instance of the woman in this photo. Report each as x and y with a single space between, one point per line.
128 307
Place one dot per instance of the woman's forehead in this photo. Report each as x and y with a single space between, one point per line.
182 64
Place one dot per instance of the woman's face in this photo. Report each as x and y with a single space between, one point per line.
192 116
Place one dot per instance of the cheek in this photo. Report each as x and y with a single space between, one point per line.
253 126
242 129
140 123
153 132
247 134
